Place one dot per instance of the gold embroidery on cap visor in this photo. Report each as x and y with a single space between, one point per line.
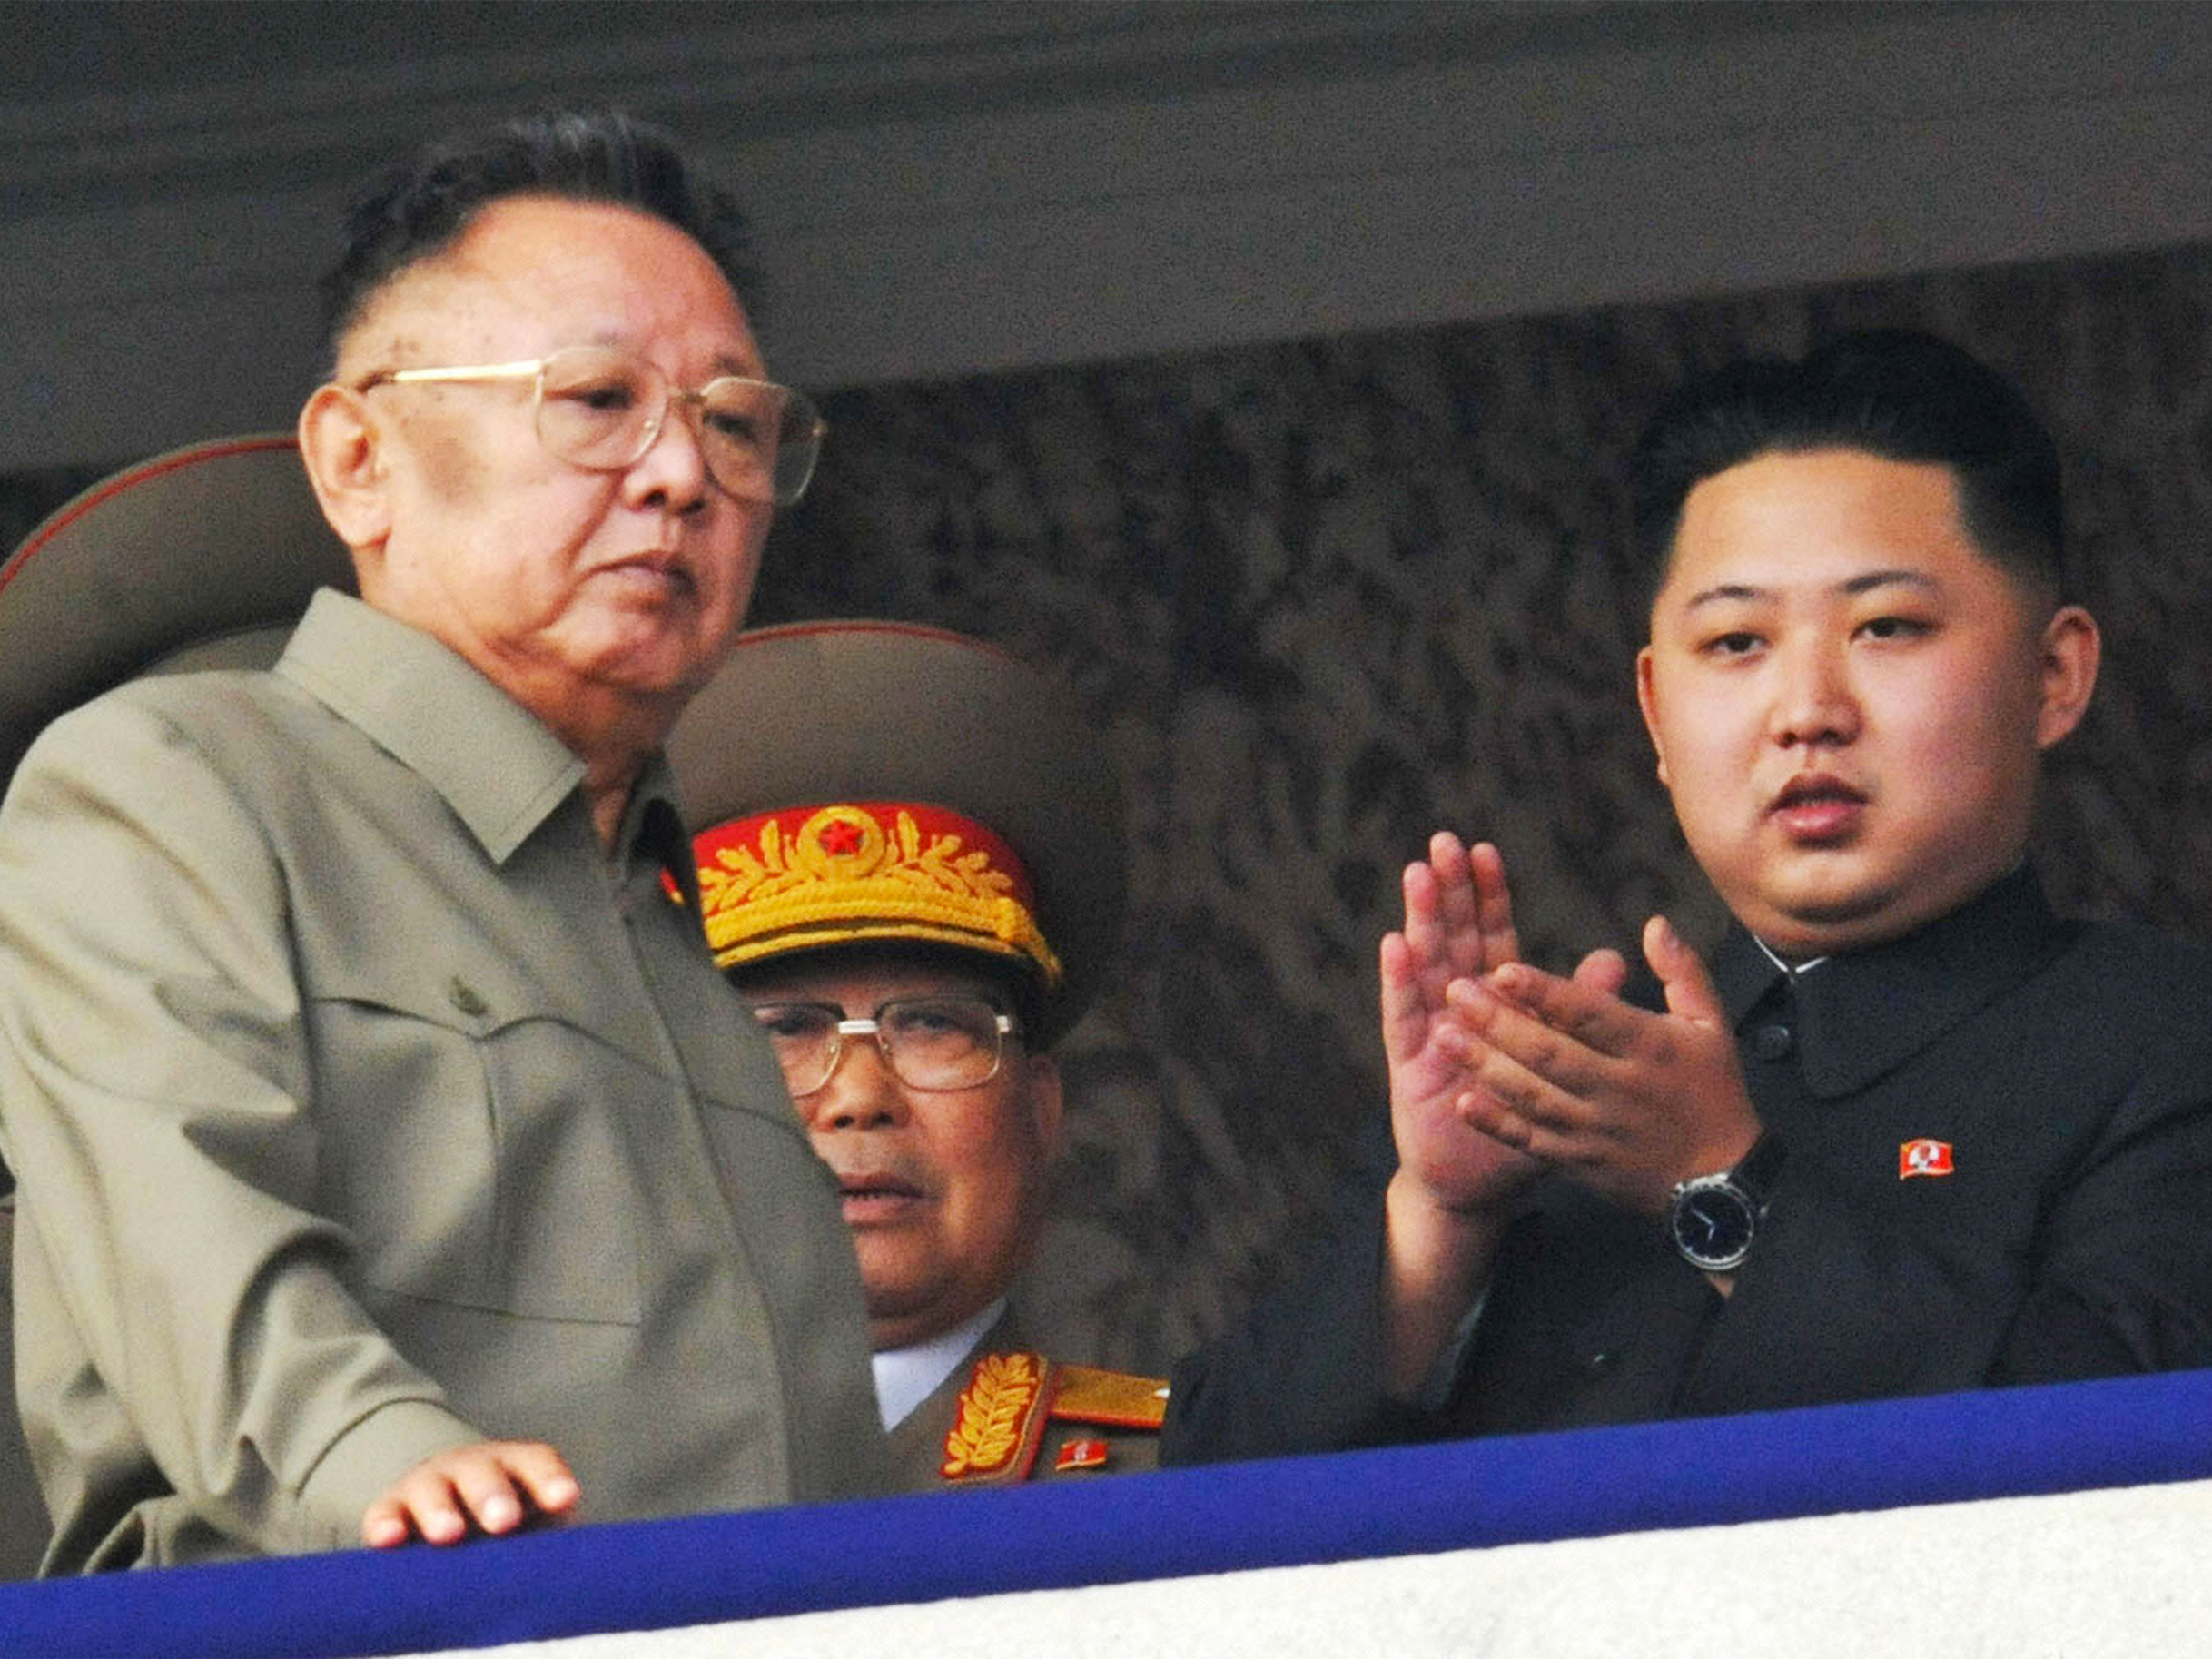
811 876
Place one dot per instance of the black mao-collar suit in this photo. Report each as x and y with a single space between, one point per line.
2055 1221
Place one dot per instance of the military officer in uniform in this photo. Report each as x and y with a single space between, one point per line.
911 869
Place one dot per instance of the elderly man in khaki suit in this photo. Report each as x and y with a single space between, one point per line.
393 1162
911 869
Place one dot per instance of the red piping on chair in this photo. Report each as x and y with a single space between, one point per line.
130 479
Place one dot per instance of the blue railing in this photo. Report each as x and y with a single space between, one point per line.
658 1574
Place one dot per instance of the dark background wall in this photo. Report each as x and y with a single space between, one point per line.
1274 384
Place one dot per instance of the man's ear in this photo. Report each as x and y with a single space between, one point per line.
1044 1104
2068 655
1647 701
340 445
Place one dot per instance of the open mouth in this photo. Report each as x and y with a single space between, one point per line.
878 1197
1816 808
877 1186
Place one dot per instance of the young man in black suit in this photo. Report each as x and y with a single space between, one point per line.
1912 1132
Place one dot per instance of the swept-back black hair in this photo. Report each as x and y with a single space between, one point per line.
419 209
1896 393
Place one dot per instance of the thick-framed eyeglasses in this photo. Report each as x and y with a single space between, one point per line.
601 408
929 1042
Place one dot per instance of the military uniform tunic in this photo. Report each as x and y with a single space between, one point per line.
1007 1413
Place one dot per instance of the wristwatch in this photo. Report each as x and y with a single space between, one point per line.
1715 1217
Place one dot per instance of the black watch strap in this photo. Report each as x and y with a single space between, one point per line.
1758 1170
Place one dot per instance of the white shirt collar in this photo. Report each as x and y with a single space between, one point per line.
1792 969
905 1377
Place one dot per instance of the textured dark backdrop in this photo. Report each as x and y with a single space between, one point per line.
1324 596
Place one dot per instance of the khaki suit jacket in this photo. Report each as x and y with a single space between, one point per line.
362 1106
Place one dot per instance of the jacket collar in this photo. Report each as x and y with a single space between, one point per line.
1863 1014
496 764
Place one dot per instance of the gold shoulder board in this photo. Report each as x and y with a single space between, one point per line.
1085 1393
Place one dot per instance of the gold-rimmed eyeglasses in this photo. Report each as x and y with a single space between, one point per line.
929 1042
601 408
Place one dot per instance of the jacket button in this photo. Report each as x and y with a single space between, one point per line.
1771 1042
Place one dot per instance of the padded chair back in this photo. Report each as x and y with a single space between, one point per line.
23 1525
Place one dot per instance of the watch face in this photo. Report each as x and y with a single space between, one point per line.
1711 1223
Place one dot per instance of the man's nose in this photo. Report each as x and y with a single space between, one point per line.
860 1093
1815 704
672 472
